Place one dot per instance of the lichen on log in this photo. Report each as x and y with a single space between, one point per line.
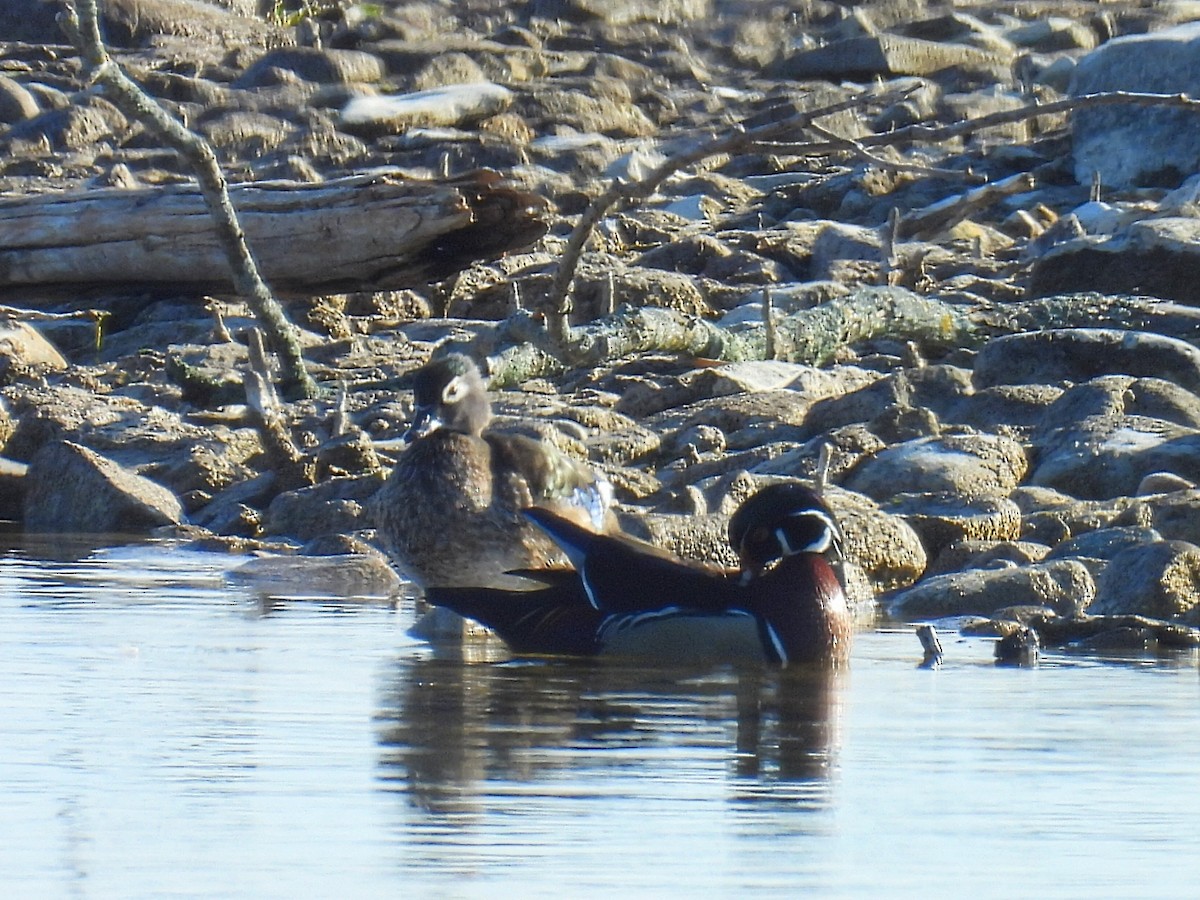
815 336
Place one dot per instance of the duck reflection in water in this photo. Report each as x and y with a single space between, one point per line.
784 606
453 734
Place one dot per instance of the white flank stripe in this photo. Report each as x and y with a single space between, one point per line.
776 643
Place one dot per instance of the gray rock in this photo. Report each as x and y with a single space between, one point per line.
79 126
704 538
1108 456
1139 145
884 545
1174 516
622 12
1159 579
232 128
1079 354
849 446
945 518
1012 405
1064 585
1053 34
986 555
648 286
203 27
974 464
1104 543
70 488
835 243
861 405
323 66
623 444
769 374
707 256
365 576
888 55
334 506
156 441
1050 516
1163 483
1153 257
1114 396
34 21
16 103
939 389
25 353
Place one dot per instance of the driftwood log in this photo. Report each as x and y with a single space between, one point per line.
814 336
375 231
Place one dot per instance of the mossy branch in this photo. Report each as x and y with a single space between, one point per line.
815 336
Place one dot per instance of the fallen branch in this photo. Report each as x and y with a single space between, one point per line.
935 134
925 222
812 336
765 138
369 232
815 336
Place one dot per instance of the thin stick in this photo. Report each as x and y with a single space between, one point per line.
770 336
739 140
933 134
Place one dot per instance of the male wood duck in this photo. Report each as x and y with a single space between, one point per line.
784 606
450 512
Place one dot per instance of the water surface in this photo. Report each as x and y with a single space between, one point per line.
167 733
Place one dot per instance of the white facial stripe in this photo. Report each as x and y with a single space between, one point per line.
587 586
781 536
821 544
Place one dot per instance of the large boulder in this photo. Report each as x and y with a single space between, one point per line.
1135 145
70 488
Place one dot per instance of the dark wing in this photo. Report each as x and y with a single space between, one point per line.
621 574
556 619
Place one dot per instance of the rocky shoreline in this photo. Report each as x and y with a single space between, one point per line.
1024 456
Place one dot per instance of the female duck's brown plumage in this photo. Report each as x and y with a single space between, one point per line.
450 513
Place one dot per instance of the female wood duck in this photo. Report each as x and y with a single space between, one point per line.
450 512
785 605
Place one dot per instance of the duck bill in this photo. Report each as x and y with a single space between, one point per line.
425 421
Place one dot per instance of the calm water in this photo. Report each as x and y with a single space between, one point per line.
164 734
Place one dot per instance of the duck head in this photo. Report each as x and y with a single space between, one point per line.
789 542
449 393
779 521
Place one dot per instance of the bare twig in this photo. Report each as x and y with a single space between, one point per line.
292 467
770 335
96 316
933 134
858 149
947 212
81 23
739 140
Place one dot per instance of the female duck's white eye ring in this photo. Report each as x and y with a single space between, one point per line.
455 391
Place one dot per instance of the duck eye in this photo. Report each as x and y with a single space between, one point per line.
455 391
760 544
